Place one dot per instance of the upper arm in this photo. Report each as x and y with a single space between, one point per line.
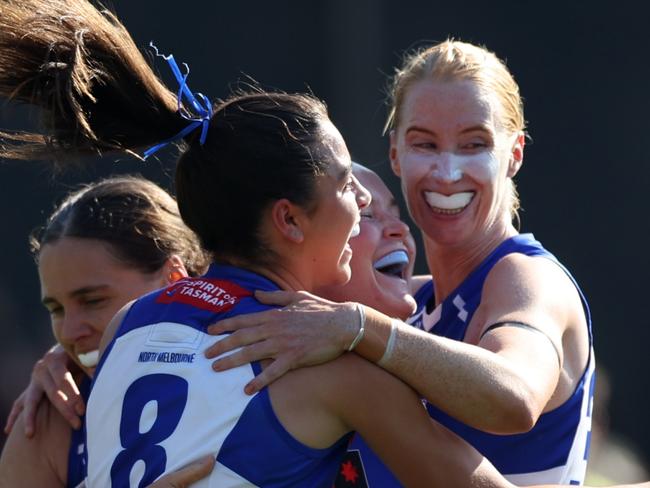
392 419
38 461
537 292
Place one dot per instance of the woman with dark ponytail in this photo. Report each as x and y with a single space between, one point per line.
265 182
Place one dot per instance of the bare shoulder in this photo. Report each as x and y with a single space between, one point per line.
41 460
520 282
418 282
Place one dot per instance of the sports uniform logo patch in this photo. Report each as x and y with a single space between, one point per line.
207 294
351 473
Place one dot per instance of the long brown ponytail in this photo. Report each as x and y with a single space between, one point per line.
81 66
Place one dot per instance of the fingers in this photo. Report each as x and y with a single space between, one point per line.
68 401
16 408
186 476
237 323
271 373
281 298
62 391
254 352
240 338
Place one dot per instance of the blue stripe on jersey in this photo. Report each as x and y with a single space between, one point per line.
77 452
261 450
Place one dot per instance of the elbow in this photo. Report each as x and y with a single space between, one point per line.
517 414
521 419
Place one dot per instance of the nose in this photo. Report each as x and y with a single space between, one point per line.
363 195
446 168
395 227
71 328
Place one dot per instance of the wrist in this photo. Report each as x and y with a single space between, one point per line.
361 318
349 318
376 336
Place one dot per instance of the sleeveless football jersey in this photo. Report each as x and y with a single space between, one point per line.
77 451
554 451
156 404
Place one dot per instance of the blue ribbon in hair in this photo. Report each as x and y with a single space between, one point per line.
199 102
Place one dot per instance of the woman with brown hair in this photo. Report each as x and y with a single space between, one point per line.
106 244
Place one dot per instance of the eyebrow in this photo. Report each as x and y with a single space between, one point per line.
76 293
477 127
344 173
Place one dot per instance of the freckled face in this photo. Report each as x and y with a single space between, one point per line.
454 160
83 286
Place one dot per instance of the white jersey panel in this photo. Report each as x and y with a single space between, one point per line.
158 358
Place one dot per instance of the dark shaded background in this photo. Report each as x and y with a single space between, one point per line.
583 68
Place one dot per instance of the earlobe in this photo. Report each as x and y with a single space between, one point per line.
287 219
392 154
174 270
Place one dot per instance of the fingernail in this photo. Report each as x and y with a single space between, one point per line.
217 366
249 389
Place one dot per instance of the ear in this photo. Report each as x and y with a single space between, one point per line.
517 154
392 154
288 219
173 270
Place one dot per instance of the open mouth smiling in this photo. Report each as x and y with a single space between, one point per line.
449 204
393 264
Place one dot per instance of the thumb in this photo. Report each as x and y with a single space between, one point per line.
189 474
197 470
282 298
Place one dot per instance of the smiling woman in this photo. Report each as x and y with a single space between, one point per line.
384 253
104 245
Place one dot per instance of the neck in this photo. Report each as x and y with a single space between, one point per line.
282 277
451 264
279 274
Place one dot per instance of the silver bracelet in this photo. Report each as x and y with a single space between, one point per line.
390 345
362 327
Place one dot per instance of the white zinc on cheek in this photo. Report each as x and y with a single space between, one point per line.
482 167
448 166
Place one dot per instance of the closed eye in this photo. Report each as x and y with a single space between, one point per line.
55 311
93 302
427 146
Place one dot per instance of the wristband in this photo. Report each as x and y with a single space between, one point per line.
362 327
390 345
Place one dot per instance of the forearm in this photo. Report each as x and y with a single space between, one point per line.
474 385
